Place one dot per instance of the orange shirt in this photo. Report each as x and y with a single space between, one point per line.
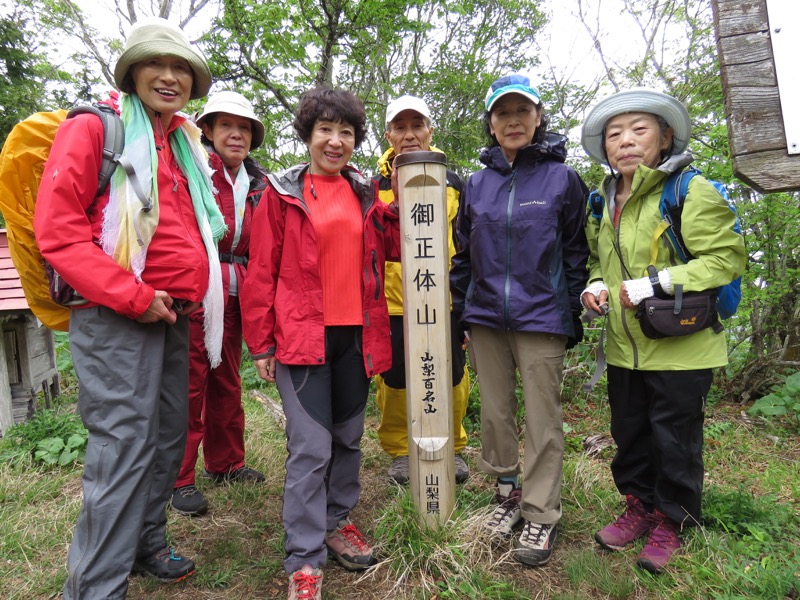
336 215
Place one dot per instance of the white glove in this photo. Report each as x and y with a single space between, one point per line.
594 289
639 289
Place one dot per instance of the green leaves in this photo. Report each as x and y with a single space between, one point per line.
55 451
51 438
446 52
784 402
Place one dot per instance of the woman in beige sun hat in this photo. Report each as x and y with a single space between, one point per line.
657 388
143 254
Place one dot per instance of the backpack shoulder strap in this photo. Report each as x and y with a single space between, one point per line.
673 196
113 145
113 136
596 204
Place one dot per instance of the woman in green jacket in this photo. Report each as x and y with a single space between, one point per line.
656 388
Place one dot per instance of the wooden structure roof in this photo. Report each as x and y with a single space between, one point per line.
12 297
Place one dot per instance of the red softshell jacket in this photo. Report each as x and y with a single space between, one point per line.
282 295
68 223
226 203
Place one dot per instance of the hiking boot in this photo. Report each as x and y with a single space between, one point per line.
398 470
164 565
629 527
349 547
462 470
661 545
508 515
241 475
187 500
306 584
534 546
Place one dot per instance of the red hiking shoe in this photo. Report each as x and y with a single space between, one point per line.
306 584
349 547
662 544
629 527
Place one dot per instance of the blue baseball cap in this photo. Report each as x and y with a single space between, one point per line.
512 84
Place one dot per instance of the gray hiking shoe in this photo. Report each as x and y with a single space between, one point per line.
349 547
462 470
508 515
398 470
534 546
188 501
306 584
164 565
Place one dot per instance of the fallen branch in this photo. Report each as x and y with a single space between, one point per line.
272 407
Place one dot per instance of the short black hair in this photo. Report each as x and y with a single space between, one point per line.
326 104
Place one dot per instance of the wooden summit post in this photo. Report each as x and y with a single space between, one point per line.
422 191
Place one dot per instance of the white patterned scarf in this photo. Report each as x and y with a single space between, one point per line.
128 228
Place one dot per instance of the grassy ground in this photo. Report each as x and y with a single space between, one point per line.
746 548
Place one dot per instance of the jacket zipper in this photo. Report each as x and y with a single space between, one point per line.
512 191
623 269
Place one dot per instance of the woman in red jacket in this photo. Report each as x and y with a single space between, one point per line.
144 257
316 322
216 417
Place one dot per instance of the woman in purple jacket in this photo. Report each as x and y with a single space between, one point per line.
516 283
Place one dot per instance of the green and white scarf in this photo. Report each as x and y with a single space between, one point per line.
128 228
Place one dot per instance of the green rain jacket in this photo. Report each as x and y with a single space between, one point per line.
707 230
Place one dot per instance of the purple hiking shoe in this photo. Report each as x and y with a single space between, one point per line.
629 527
662 544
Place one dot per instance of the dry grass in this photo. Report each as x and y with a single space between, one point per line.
238 546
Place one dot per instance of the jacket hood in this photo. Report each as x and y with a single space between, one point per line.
553 147
289 182
646 176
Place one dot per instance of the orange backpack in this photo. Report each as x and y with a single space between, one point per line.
21 165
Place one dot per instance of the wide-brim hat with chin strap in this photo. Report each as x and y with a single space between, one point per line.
233 103
635 100
153 37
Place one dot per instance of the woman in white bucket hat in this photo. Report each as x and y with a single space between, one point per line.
231 130
656 387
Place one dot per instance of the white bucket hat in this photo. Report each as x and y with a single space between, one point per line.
644 100
406 102
154 37
234 103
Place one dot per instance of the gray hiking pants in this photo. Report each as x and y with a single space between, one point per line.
324 407
133 399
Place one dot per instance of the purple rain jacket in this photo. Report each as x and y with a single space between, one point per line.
521 263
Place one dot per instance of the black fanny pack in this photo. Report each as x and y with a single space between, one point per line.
684 313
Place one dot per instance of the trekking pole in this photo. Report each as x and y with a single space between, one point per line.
422 192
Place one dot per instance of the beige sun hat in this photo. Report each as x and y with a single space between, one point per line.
154 37
642 100
234 103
